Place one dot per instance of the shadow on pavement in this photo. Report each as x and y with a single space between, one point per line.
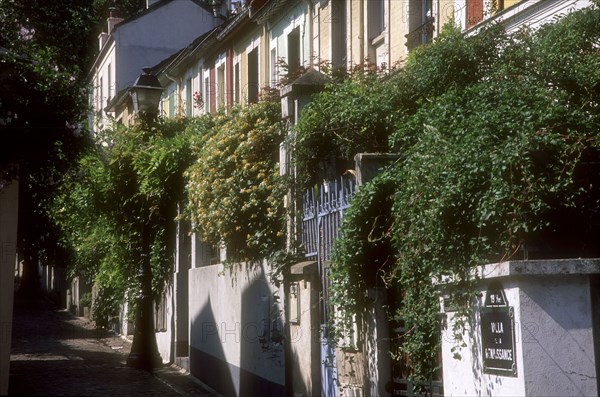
56 353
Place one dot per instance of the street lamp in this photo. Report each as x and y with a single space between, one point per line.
145 94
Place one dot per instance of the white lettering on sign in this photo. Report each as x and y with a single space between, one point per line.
498 354
497 327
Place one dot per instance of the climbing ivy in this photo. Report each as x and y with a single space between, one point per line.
234 189
129 183
499 156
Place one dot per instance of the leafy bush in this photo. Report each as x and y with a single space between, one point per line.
127 186
234 189
500 152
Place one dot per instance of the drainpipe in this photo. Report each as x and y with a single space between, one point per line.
287 342
361 32
174 80
348 37
310 31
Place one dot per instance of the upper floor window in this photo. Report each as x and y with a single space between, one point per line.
338 33
172 103
376 18
293 51
221 86
421 24
206 92
189 99
474 12
253 78
236 82
110 85
101 107
273 67
220 77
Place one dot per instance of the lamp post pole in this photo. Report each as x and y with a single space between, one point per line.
144 350
145 93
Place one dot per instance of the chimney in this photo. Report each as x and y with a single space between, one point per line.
102 37
112 21
150 3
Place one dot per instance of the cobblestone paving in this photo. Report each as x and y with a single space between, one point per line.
56 353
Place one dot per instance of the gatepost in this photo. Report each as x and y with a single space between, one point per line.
531 331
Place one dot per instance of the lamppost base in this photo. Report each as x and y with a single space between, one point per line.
144 361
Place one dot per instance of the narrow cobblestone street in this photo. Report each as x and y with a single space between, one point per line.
57 353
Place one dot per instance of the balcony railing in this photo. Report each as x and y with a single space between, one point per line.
421 35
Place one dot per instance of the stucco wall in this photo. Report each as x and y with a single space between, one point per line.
164 339
553 332
295 17
235 324
9 196
304 337
530 13
464 375
557 336
145 41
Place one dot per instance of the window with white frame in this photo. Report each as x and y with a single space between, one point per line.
421 24
97 94
236 82
338 33
171 102
207 91
273 65
376 17
251 90
221 84
101 107
110 85
293 51
253 76
198 95
189 99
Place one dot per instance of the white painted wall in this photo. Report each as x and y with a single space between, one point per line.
9 204
296 16
164 339
557 336
145 41
531 13
535 13
553 333
104 86
465 376
231 311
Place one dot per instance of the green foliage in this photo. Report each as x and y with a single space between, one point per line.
352 116
500 152
45 51
363 253
45 54
361 113
86 300
128 185
234 189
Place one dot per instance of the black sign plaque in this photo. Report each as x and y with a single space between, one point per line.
498 334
